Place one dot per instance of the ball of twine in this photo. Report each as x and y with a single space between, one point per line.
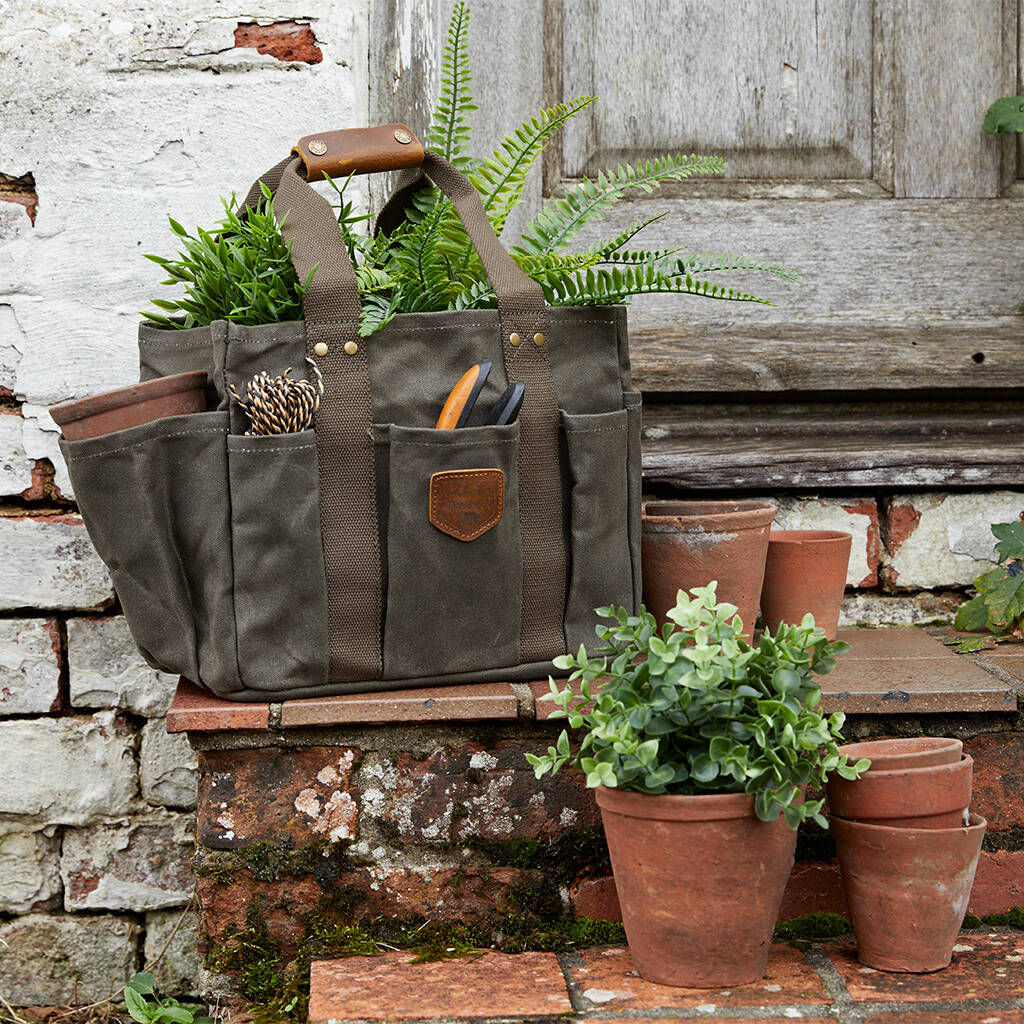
280 405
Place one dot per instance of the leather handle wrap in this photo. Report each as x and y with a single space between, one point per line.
388 147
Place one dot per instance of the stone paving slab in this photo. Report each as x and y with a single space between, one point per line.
391 987
985 966
606 979
983 985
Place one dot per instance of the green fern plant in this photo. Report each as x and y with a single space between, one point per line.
240 271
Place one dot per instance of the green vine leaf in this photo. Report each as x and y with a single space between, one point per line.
1011 540
1005 115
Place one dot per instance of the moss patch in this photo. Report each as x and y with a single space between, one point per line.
564 857
279 990
265 862
812 927
1014 918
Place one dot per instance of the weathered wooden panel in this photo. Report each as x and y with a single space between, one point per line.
506 48
909 261
829 356
814 445
952 59
781 89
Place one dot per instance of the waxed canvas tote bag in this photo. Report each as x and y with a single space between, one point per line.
375 551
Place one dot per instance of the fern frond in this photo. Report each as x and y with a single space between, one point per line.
449 129
501 177
605 286
704 263
562 217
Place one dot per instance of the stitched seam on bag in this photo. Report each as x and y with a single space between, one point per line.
596 430
461 444
260 451
491 474
158 437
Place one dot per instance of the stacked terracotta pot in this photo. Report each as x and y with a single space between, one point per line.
908 848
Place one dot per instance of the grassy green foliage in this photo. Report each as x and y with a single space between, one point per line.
813 927
146 1007
694 708
240 271
998 607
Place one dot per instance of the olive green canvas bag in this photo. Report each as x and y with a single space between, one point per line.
375 551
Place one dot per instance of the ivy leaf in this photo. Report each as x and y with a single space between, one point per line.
1005 115
1011 540
972 617
1003 595
138 1007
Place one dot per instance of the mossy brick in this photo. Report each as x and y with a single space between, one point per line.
271 794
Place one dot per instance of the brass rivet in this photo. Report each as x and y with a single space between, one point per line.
514 340
317 147
351 348
320 348
538 340
402 136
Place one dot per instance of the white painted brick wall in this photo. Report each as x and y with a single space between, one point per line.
106 670
29 876
123 122
72 770
168 767
29 666
50 563
942 540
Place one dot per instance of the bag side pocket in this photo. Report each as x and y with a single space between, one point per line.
452 605
154 499
280 588
601 572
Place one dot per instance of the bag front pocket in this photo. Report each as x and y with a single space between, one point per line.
277 554
155 501
453 549
601 571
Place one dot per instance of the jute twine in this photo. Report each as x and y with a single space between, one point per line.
280 405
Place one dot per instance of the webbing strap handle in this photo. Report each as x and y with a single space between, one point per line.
344 448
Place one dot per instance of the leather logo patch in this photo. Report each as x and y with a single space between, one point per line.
466 503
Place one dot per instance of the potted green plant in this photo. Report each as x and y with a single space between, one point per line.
701 747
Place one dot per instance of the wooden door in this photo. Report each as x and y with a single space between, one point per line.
852 129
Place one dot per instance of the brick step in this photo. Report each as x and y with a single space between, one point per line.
983 985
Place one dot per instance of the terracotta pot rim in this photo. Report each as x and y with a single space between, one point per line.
132 394
705 516
815 537
976 821
675 807
964 764
903 750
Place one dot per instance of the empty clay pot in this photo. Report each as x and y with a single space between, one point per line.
700 882
688 544
805 572
932 797
907 890
913 752
131 406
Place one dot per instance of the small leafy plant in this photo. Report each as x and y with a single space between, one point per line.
694 708
1005 116
240 271
998 607
147 1008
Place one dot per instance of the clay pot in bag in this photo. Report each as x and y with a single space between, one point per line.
688 544
131 406
907 890
700 881
805 571
932 797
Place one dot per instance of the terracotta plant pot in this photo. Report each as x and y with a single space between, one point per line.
933 797
131 406
913 752
700 882
688 544
907 890
805 572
